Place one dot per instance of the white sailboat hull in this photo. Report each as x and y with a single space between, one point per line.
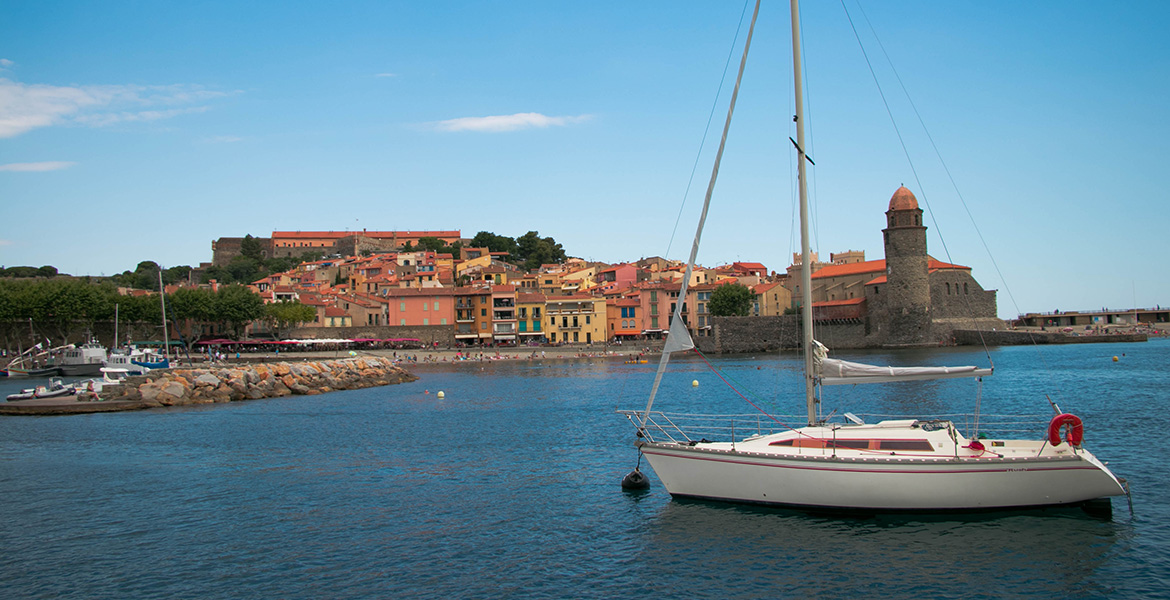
888 484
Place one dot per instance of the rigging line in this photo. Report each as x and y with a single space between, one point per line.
707 129
906 151
815 208
1053 384
676 319
947 170
737 392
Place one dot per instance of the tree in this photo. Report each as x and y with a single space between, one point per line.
236 306
533 251
730 300
282 316
494 243
176 274
250 247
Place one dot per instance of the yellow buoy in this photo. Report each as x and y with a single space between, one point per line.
695 383
441 395
1114 359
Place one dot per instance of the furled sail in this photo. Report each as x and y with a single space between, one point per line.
832 371
841 372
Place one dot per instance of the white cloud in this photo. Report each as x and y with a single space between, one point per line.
37 166
24 107
514 122
386 75
5 64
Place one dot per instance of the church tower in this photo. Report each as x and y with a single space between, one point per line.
907 272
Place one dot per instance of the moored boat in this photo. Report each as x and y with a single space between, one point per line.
910 464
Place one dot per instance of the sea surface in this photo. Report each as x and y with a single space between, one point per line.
508 487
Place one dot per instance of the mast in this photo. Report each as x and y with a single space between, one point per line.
806 313
162 297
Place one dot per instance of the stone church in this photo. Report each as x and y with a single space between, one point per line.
907 299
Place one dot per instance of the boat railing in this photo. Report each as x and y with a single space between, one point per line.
688 427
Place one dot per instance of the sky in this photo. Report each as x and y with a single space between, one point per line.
135 131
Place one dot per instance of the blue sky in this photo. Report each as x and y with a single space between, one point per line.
143 131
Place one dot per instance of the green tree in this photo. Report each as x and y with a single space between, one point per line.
494 243
251 248
282 316
47 271
176 274
236 306
244 270
730 300
533 251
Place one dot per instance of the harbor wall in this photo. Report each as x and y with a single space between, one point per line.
179 386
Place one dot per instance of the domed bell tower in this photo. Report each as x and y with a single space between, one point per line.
907 271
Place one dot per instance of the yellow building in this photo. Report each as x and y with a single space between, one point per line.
575 319
530 310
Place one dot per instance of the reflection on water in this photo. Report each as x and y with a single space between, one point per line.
1055 554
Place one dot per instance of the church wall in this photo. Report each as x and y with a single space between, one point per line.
963 298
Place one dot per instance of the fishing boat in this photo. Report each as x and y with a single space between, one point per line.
86 359
843 463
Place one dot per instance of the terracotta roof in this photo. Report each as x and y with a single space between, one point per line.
334 235
333 311
529 298
839 302
763 287
869 266
903 199
877 266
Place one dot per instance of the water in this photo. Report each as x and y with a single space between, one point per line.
509 487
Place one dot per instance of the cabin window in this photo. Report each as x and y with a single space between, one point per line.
916 445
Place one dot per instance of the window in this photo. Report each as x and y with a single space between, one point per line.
424 305
436 306
482 325
402 306
586 319
402 321
964 287
443 321
483 312
426 321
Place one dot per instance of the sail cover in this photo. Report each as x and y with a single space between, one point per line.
842 372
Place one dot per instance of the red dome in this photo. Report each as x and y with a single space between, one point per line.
903 199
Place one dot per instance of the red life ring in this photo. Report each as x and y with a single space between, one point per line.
1076 431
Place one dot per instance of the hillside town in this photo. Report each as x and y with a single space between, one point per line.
378 283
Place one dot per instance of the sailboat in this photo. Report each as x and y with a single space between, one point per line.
915 465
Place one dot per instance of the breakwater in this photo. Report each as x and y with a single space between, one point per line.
208 385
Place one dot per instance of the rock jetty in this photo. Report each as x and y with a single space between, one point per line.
207 385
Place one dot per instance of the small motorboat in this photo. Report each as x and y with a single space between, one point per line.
53 390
